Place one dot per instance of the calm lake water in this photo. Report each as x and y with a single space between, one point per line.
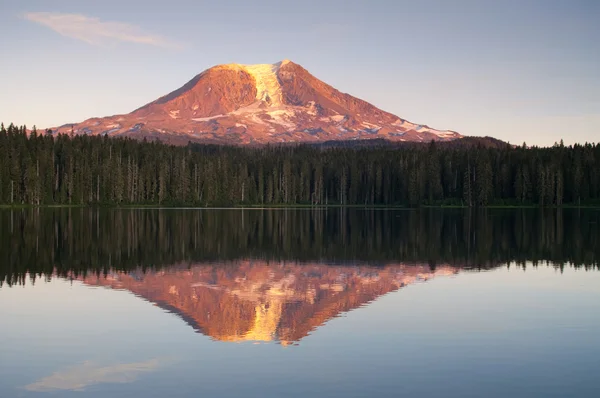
299 303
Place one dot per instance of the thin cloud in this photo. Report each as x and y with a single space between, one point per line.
96 32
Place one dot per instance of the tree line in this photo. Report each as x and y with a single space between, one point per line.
76 241
46 169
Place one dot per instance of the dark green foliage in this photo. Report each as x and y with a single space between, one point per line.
39 169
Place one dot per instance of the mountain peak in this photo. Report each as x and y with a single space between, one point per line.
242 66
260 103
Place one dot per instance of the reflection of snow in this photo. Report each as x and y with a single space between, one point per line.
78 377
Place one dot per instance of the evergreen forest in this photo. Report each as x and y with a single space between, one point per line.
48 169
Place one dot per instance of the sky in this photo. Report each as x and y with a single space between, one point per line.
517 70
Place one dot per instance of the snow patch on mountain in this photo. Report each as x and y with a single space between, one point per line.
445 134
206 119
371 126
268 88
419 128
281 117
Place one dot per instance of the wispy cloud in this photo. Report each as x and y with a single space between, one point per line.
96 32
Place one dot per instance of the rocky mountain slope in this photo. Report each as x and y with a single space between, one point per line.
258 104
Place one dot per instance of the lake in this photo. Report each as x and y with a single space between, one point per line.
299 303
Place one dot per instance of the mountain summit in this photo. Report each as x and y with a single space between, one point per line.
258 104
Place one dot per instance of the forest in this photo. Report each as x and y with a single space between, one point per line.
41 168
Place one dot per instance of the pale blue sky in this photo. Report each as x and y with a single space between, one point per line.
518 70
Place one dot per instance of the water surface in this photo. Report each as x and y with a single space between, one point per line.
255 303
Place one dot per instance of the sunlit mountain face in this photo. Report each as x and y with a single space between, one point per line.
258 104
262 301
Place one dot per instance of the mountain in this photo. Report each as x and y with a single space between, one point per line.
258 104
265 301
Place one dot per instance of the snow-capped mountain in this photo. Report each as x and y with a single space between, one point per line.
256 104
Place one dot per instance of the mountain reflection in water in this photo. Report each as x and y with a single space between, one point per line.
92 302
260 301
